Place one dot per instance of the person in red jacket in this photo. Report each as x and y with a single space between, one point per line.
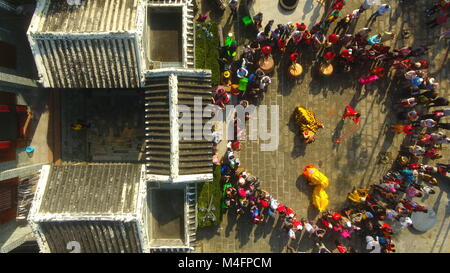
329 56
352 114
441 5
438 21
333 38
348 55
294 57
340 247
281 44
400 128
338 5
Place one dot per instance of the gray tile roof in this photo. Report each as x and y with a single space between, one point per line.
91 16
92 189
93 236
194 156
157 121
89 63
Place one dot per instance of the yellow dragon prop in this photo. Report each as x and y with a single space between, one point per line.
306 120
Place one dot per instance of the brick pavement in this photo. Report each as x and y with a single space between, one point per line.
354 162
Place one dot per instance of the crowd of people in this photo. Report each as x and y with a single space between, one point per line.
375 213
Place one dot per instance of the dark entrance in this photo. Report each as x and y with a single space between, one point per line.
168 212
165 34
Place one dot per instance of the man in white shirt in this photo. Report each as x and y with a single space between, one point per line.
265 81
380 11
373 246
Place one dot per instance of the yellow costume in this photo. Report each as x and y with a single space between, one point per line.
358 196
320 182
306 120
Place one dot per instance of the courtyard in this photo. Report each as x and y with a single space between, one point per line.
354 162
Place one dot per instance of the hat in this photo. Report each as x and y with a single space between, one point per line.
302 27
281 208
297 224
329 55
290 212
264 203
417 81
242 192
241 180
408 221
336 216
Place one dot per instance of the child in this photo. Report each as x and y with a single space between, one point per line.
352 114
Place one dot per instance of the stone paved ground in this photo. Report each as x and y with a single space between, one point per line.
354 162
116 133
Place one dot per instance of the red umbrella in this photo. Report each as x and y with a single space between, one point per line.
267 49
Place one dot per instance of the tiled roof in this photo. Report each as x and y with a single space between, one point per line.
167 153
93 236
90 16
157 122
195 155
91 189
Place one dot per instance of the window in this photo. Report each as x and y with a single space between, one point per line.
8 55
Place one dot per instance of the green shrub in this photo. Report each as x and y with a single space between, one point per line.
207 50
205 191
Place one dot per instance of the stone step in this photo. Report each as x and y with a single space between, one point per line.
158 103
157 128
154 147
157 84
156 91
149 111
152 170
187 171
158 141
157 153
158 134
195 92
156 115
159 122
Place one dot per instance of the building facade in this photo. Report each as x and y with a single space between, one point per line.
123 44
109 43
